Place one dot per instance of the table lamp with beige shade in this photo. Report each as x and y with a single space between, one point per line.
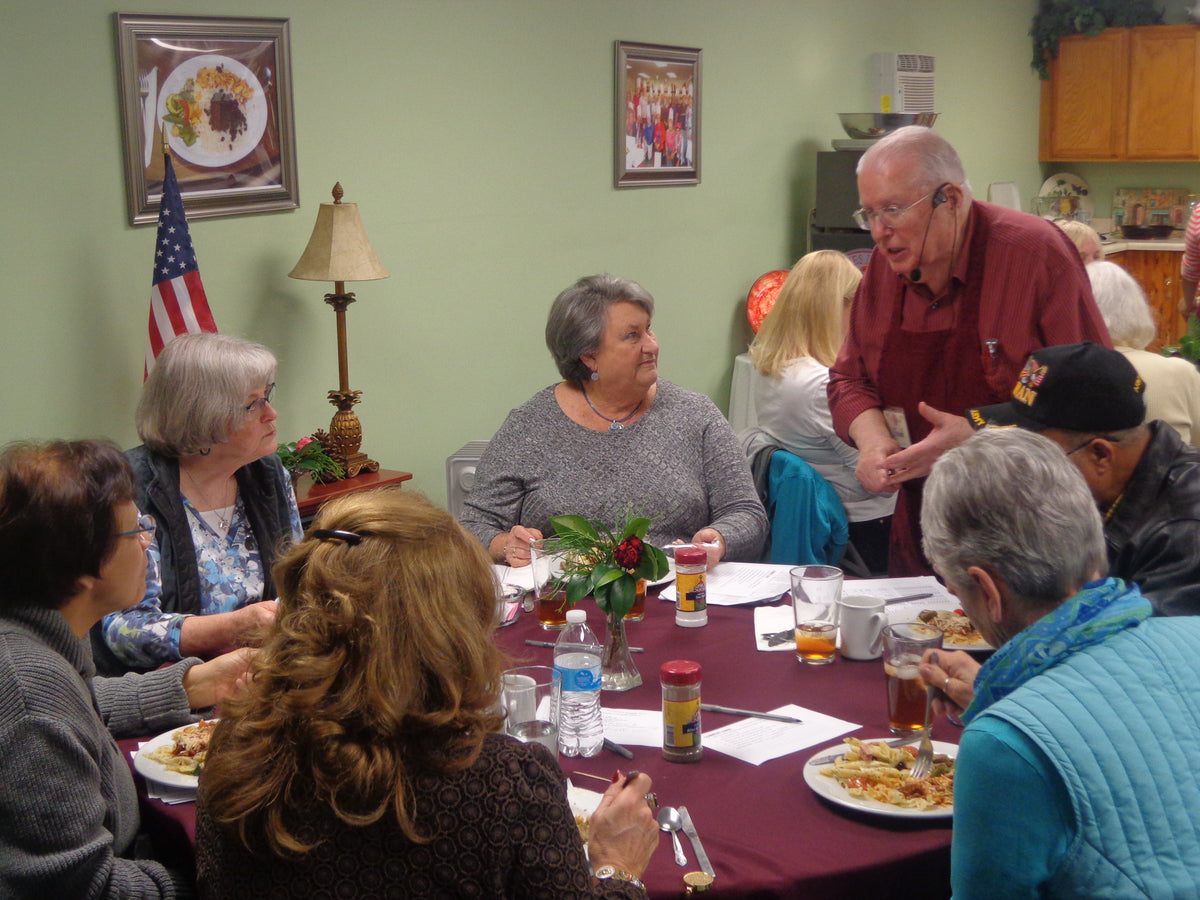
339 251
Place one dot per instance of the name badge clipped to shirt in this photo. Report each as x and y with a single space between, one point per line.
898 425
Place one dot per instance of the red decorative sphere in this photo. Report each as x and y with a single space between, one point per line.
762 296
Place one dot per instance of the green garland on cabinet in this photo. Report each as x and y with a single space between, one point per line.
1059 18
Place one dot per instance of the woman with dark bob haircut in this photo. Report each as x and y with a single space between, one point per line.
73 548
207 471
365 753
611 439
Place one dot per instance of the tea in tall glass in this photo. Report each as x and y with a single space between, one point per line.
903 646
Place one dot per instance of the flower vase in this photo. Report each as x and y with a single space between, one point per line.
617 671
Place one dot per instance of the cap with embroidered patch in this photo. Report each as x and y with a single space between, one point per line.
1077 387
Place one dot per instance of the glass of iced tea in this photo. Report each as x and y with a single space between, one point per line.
546 567
815 593
903 646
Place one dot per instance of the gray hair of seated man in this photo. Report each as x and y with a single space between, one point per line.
577 317
1011 502
1123 305
196 393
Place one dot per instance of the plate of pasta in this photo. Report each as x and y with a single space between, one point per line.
176 757
871 777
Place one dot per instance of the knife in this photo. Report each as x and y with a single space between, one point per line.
690 830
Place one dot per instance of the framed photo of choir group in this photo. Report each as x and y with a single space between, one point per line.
657 109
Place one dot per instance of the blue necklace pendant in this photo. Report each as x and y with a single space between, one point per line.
616 426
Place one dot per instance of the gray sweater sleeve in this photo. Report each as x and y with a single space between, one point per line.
136 705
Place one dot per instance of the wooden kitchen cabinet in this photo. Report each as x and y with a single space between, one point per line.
1124 94
1157 271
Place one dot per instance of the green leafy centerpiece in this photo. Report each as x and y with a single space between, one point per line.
308 455
608 565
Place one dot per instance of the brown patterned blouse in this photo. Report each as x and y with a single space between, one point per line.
500 830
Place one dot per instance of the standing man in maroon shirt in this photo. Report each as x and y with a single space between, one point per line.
956 296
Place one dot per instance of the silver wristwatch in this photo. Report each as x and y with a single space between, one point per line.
604 873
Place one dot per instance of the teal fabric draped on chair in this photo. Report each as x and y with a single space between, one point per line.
808 521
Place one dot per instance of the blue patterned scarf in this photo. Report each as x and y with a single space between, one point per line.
1100 610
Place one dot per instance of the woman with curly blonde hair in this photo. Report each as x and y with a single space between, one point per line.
364 754
792 352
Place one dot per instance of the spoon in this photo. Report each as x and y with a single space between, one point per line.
670 820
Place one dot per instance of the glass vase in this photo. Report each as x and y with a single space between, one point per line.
617 671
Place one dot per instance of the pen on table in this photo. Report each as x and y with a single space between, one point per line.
908 597
617 749
733 711
532 643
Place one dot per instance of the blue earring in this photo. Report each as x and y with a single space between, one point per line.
595 375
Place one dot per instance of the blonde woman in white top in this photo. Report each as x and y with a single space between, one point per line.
795 346
1172 384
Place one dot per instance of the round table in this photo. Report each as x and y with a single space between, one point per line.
764 830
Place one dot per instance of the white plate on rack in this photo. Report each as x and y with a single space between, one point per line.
210 149
1066 185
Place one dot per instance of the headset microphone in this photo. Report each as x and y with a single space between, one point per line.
939 197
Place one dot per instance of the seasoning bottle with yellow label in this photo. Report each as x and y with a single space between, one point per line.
681 710
691 587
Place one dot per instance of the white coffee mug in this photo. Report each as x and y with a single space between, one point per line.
862 620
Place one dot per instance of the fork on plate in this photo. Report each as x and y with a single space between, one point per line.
830 757
924 762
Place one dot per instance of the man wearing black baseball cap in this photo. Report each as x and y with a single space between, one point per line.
1146 481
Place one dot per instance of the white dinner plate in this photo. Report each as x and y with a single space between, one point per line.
207 150
156 771
827 786
910 609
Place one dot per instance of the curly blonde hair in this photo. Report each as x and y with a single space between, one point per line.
381 663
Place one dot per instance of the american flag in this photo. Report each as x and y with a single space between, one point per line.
177 301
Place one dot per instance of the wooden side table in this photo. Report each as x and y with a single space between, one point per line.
310 497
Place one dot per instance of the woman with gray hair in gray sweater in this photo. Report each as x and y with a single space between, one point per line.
613 439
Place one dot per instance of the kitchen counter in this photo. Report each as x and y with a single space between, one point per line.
1118 245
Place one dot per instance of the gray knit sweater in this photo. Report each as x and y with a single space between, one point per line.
68 806
680 465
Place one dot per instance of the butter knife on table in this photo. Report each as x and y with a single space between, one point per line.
690 830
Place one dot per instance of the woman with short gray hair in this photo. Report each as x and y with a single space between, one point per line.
612 440
208 473
1172 383
1068 780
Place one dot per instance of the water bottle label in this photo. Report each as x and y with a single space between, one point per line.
580 679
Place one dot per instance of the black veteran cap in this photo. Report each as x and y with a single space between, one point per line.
1077 387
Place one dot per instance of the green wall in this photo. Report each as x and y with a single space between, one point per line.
476 136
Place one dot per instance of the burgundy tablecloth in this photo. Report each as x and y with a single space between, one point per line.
767 834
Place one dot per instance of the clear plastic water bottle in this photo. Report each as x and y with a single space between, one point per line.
577 655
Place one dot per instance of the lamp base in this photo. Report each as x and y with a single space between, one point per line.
345 435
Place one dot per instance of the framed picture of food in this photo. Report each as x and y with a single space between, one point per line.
657 115
216 93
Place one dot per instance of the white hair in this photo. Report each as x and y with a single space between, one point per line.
1123 305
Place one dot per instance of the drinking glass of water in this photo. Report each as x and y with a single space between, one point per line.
530 696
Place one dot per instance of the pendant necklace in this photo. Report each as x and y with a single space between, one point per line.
223 520
613 424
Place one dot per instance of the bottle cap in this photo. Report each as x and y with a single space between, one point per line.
691 556
680 671
575 616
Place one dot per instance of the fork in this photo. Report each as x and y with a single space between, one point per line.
830 757
147 86
924 762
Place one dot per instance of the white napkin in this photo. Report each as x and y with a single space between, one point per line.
758 740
